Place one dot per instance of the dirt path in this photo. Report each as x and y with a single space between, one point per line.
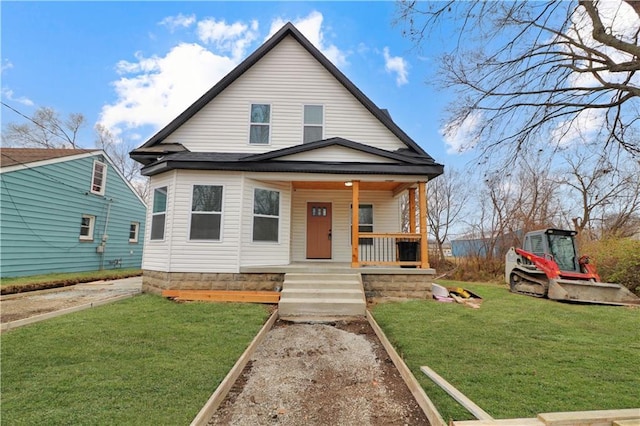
25 305
320 374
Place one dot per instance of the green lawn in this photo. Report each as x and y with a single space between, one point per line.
141 361
518 356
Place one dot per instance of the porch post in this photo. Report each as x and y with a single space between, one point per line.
412 210
355 208
424 243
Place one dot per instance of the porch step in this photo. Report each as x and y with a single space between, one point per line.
313 295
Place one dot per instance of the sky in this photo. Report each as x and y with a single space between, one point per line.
134 66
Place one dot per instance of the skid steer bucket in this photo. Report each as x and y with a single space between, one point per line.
591 292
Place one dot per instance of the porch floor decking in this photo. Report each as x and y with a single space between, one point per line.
318 267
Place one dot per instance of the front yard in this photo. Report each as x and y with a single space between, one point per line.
518 356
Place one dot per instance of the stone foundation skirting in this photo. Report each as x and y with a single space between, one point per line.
407 286
156 281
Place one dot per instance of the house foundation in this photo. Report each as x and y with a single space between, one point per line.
387 282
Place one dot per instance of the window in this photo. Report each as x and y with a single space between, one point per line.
206 212
159 213
266 215
365 222
260 124
313 120
133 232
99 177
86 227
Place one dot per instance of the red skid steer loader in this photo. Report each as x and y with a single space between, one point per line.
549 266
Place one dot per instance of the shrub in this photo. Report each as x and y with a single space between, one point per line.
617 261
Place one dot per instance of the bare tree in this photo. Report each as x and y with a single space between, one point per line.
45 129
534 75
447 197
605 197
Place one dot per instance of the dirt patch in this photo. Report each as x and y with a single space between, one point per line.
30 304
319 374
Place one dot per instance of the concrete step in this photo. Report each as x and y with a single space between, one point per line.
324 277
352 285
321 293
317 306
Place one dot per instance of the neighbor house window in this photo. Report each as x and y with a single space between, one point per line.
260 124
206 212
133 232
365 222
313 120
99 177
266 215
86 227
159 213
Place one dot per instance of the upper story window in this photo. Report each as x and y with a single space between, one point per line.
86 227
159 213
266 215
260 124
206 212
99 177
313 123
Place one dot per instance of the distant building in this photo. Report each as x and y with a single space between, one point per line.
66 210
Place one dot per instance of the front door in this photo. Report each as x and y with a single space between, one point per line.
318 230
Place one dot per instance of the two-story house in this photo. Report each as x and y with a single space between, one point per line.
66 210
260 176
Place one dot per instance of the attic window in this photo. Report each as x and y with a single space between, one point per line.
313 123
98 178
260 124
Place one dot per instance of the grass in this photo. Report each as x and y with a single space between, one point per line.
60 279
518 356
142 361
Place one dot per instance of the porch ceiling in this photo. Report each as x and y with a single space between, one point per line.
364 186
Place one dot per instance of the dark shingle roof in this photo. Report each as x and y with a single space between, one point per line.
15 156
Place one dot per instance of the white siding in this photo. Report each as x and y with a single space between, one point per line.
336 153
386 218
265 253
156 253
288 77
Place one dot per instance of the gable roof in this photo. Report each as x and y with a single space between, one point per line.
287 30
21 156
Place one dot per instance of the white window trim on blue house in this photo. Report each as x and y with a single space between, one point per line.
98 177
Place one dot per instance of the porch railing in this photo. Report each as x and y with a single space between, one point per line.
379 249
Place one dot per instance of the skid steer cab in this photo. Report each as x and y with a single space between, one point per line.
550 266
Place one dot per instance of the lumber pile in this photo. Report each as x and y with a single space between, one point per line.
223 296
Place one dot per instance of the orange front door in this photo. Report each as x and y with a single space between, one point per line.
318 230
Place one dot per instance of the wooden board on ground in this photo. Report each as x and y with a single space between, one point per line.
223 296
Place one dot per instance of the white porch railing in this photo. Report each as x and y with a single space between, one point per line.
382 249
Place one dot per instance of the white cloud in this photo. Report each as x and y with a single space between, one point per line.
155 90
397 65
8 94
583 127
234 38
462 136
311 27
180 20
6 65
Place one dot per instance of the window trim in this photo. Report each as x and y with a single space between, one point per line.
305 125
254 215
368 241
269 124
153 214
137 232
91 228
221 213
103 182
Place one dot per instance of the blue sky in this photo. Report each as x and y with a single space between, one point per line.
133 66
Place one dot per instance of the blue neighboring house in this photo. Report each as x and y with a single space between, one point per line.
66 210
